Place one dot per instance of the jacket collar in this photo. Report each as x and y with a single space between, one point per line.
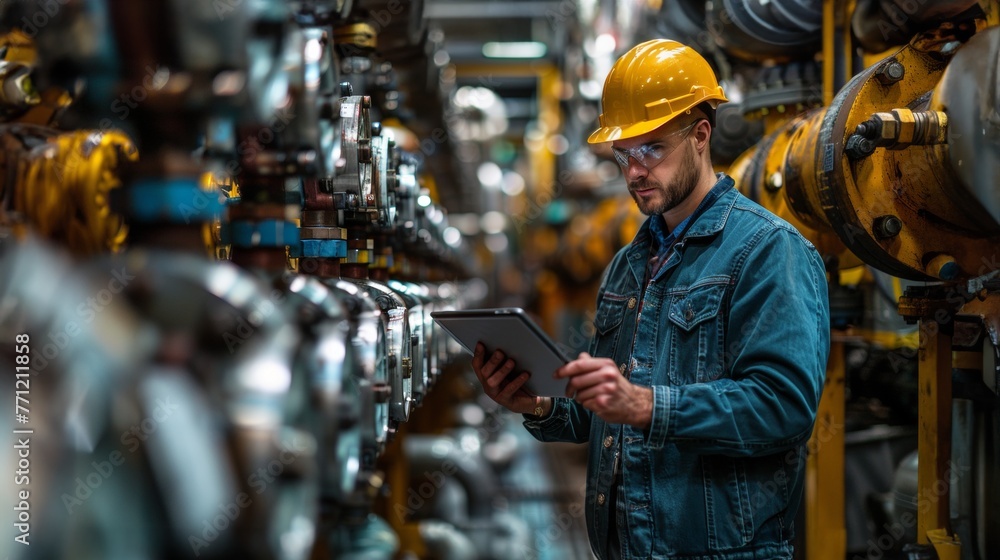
708 223
713 218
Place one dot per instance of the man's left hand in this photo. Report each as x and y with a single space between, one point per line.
597 384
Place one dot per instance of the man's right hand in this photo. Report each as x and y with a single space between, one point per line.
508 393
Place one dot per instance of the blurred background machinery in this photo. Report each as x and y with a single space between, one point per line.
224 226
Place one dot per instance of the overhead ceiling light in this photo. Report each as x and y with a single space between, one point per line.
605 43
522 49
513 183
452 236
493 222
490 175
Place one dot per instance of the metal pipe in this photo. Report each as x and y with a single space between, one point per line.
435 457
445 542
371 539
962 480
969 91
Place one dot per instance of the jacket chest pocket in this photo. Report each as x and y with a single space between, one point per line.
697 334
608 323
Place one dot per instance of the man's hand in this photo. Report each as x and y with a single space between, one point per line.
597 384
508 393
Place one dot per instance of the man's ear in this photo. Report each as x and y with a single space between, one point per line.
702 134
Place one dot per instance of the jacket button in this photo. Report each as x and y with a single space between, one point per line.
689 314
608 441
600 499
621 367
631 302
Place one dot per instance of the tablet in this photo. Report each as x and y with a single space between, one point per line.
510 330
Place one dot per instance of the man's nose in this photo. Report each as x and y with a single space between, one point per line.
634 170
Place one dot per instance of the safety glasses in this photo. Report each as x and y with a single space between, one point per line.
653 153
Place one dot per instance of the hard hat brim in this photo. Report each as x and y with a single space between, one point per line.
612 133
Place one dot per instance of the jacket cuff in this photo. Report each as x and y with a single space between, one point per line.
661 417
557 417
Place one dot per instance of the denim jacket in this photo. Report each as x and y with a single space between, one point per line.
733 338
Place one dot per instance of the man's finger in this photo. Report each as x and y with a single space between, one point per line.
495 379
582 382
569 370
496 358
513 387
578 367
477 356
583 395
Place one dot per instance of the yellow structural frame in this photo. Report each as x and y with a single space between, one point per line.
934 430
543 161
826 531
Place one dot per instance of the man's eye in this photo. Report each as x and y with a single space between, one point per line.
654 150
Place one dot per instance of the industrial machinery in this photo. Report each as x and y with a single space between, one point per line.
295 364
898 170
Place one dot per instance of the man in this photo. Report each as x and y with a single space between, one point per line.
712 335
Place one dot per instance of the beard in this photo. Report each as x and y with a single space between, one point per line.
679 188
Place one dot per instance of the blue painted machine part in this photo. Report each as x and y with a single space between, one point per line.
179 201
330 248
265 233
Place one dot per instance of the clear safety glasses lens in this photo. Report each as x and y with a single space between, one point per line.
650 155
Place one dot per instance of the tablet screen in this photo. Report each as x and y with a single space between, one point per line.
510 330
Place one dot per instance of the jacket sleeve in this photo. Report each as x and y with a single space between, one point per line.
568 422
777 343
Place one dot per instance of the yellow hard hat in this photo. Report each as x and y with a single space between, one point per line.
650 85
